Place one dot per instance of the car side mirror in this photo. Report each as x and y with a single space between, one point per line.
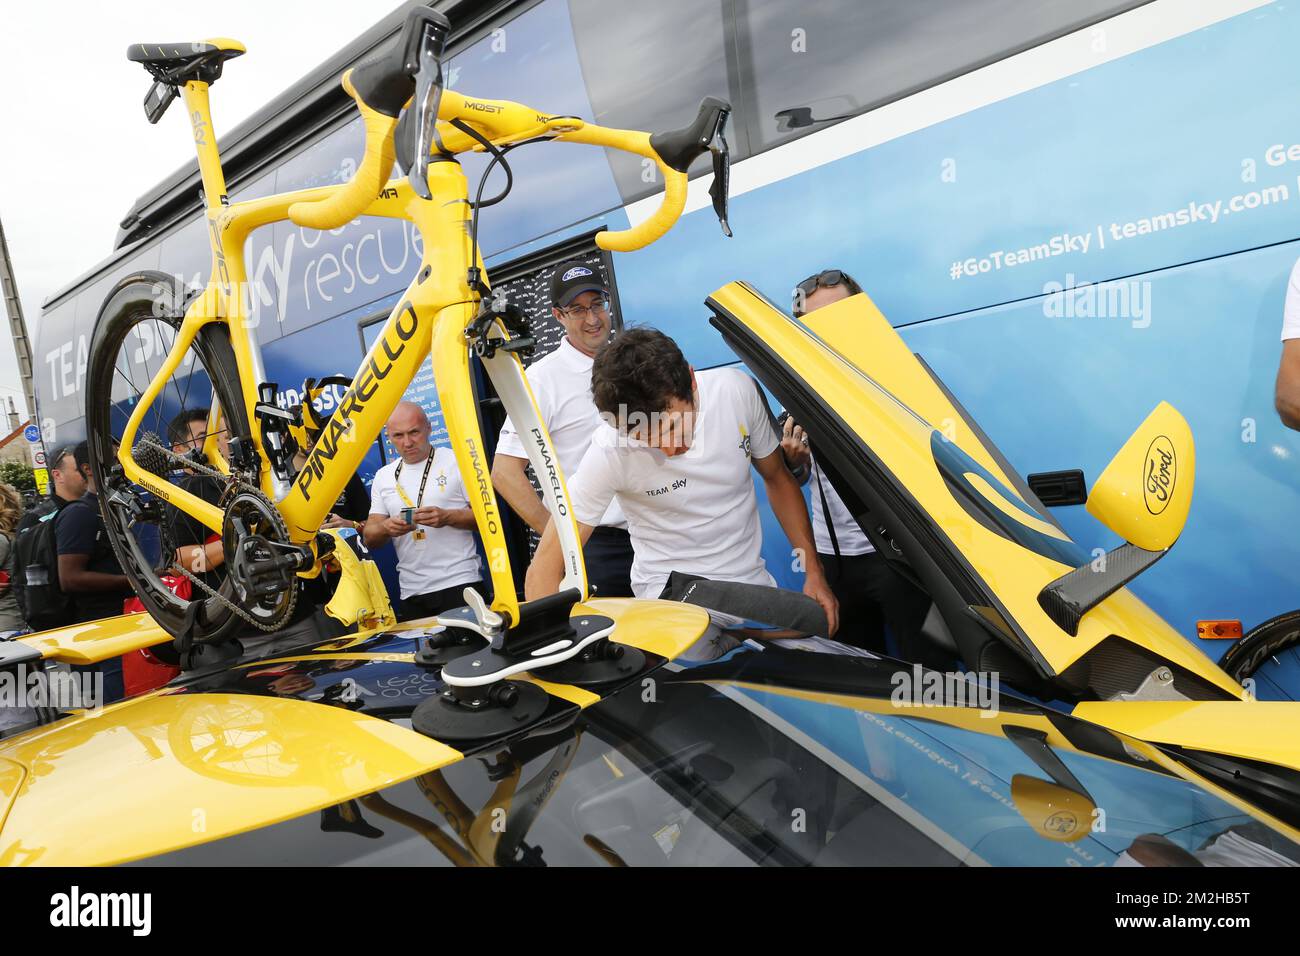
1055 812
1145 492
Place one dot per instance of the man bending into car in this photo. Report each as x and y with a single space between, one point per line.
675 449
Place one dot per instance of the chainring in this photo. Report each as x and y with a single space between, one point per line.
257 515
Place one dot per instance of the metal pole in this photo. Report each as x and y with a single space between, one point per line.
17 327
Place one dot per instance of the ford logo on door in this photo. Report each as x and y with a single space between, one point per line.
1161 473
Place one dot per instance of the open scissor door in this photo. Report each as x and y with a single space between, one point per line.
907 458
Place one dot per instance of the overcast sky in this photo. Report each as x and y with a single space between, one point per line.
77 149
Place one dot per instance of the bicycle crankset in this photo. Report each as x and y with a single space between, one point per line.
262 561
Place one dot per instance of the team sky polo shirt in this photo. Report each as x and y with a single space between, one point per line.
446 556
696 512
1291 312
561 384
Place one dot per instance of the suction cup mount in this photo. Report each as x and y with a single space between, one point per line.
460 714
545 635
445 644
600 662
480 700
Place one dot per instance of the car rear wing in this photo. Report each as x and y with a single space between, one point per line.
88 643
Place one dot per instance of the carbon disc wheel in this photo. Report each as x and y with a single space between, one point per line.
133 334
1268 656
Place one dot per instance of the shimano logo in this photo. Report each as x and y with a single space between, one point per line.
75 908
574 273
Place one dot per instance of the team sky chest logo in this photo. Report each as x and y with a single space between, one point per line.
677 484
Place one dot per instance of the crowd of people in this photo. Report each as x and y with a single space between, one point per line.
658 457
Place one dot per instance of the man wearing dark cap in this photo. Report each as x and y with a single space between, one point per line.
561 384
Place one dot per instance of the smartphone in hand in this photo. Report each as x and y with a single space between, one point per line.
408 515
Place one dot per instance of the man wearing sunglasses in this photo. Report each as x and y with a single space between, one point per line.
561 383
866 588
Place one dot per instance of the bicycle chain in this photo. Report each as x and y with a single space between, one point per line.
233 485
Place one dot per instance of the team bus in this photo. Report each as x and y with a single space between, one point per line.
1071 209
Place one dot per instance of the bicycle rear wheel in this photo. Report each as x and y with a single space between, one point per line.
133 334
1268 655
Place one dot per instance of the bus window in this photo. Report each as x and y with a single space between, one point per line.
531 59
805 66
648 68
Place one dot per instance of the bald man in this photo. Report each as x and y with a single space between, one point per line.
436 557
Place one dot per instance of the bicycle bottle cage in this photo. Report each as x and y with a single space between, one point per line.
276 424
310 423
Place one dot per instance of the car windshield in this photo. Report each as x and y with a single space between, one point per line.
763 758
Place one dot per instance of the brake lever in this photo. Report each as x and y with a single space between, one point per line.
720 190
428 95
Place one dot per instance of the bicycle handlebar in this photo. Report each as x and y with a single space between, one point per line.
670 208
380 86
383 85
371 175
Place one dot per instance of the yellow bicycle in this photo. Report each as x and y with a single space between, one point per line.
266 509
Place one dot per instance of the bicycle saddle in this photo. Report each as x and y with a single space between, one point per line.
173 56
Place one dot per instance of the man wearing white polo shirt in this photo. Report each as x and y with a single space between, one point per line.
1287 397
678 461
561 384
436 557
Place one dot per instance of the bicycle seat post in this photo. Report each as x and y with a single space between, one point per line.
195 93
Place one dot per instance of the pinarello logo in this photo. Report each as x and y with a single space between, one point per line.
1161 473
574 273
